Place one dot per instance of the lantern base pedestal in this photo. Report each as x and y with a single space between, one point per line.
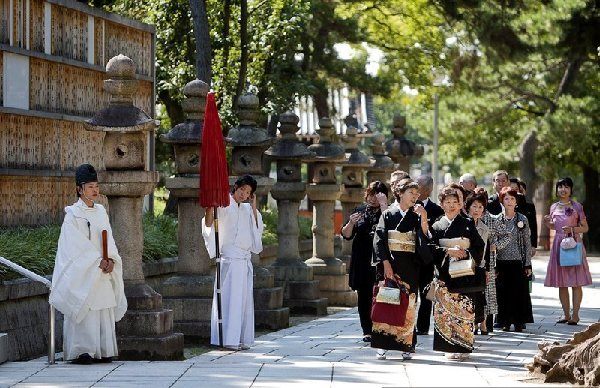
333 281
301 291
268 302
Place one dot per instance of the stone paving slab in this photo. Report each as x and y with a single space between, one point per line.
329 352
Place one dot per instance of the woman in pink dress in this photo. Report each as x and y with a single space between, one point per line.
567 216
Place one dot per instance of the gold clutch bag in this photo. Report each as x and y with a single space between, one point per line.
389 295
461 242
460 268
401 241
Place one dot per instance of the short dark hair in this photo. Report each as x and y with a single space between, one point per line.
400 187
246 180
566 181
508 191
448 191
479 196
376 187
459 188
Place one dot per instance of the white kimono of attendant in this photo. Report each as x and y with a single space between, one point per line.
239 237
91 301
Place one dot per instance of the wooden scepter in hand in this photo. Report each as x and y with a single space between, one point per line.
106 264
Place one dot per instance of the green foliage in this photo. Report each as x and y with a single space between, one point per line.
160 237
32 248
35 248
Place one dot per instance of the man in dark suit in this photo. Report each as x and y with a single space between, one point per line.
501 180
434 211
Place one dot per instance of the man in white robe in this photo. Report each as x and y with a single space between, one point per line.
240 233
87 289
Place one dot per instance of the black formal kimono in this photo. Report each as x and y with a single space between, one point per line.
434 211
454 309
405 264
362 272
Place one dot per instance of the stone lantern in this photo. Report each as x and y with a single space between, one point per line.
353 177
145 332
301 291
249 142
399 148
189 293
384 165
324 191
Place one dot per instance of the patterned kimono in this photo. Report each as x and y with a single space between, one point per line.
454 310
405 264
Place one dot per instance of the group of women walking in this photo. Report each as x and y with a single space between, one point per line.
482 263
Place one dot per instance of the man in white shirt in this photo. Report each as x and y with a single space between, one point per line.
87 288
240 234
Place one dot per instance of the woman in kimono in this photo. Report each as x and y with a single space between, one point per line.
455 238
400 260
87 287
240 233
360 228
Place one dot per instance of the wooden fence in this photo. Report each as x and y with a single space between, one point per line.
52 66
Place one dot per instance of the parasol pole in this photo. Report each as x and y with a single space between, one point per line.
218 258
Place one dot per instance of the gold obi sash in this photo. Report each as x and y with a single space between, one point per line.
461 242
401 241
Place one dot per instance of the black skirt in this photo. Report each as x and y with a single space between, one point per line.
512 292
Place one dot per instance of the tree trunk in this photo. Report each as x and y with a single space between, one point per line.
576 362
225 37
591 206
241 83
173 107
320 102
202 35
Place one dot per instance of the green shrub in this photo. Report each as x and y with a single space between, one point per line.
160 237
270 219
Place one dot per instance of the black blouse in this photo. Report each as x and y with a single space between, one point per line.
361 271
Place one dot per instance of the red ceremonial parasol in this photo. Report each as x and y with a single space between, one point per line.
214 182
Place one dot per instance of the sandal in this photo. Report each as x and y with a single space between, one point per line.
573 322
563 321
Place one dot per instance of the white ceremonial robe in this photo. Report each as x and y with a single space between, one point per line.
239 237
91 301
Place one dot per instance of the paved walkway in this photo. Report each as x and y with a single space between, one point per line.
328 352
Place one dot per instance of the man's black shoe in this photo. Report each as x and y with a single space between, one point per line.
83 359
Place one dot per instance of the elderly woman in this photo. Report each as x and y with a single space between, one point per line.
513 264
456 239
475 205
567 217
399 233
360 228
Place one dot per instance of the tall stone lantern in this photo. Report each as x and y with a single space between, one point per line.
301 291
145 332
384 165
324 191
399 148
189 292
353 177
249 142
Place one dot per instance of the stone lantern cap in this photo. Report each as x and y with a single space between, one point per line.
382 161
400 146
356 157
121 115
288 146
326 150
190 131
248 133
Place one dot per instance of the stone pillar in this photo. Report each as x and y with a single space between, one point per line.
399 148
249 142
301 291
353 178
324 191
146 331
189 293
384 165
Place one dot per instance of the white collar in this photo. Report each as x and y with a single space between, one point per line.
403 212
84 206
425 201
449 220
